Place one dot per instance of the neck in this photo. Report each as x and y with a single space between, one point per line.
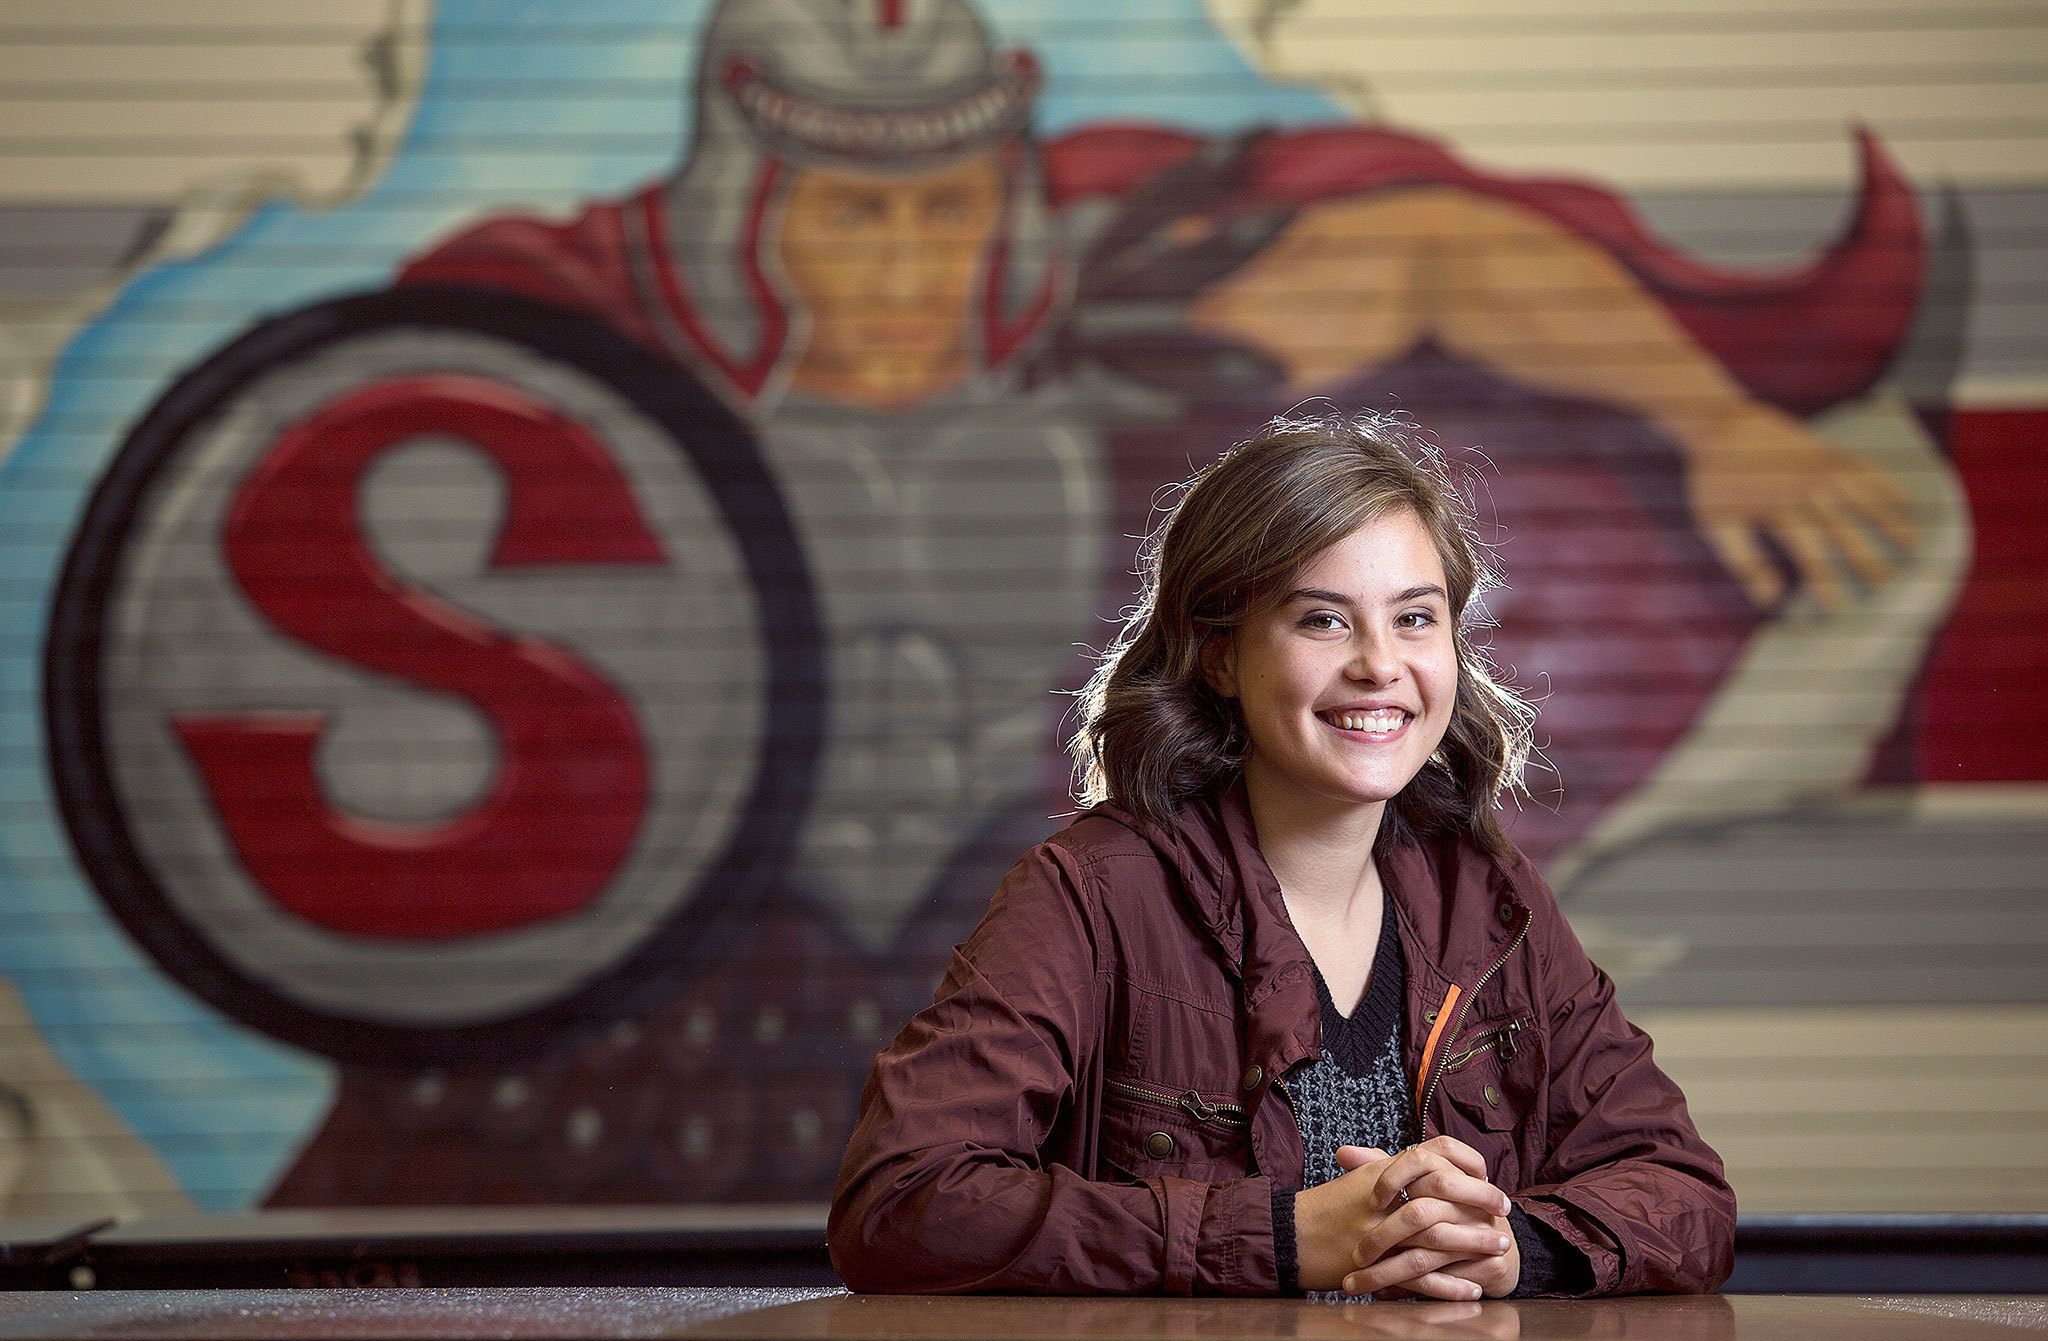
1319 848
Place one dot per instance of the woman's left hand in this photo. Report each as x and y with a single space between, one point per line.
1425 1229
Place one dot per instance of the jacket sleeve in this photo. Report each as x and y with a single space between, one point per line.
944 1189
1628 1180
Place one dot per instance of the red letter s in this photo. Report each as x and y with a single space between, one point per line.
572 777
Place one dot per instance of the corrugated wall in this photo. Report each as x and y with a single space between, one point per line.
531 740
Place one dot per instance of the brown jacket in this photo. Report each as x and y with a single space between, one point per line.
1088 1104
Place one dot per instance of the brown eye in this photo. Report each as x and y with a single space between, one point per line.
857 211
946 207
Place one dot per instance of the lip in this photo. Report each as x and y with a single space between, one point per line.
1369 705
1377 736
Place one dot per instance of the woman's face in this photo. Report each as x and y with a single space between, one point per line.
1347 684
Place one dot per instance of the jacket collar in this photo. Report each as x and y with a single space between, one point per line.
1458 910
1232 894
1285 1020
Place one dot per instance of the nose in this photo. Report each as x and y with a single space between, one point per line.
1374 660
899 271
902 263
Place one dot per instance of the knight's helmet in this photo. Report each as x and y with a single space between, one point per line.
878 86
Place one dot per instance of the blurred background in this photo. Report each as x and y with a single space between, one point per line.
540 544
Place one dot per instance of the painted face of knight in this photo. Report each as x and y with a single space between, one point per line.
885 267
1347 684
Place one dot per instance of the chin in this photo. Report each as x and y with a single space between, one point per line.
1371 791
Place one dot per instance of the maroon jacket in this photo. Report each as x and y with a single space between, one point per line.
1088 1105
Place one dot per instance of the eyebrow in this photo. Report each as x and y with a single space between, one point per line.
1337 598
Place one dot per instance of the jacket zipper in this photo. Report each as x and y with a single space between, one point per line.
1504 1037
1188 1101
1437 1072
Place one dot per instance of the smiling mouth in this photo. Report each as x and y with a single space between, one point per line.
1381 722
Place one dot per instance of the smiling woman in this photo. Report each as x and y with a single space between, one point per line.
1285 1010
1332 534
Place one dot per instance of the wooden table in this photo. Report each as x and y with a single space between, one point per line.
488 1247
817 1314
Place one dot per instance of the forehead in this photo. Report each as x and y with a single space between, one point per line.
1388 555
979 172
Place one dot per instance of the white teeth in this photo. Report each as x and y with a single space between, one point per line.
1383 719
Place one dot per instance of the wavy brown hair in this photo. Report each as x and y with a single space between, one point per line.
1153 733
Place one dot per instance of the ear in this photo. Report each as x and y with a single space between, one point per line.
1219 662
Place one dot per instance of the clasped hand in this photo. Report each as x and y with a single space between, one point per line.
1449 1239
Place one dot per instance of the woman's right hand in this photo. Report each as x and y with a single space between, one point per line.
1332 1220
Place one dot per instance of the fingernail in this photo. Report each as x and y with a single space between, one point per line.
1500 1243
1473 1292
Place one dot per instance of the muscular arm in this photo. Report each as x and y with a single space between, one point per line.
1356 282
1340 291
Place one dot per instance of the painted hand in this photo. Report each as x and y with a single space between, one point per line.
1760 474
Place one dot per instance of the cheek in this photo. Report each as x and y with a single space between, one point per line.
1266 699
808 261
950 270
1286 689
1442 680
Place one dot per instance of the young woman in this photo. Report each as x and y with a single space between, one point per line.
1285 1010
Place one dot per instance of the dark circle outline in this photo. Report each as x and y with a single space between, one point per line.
702 929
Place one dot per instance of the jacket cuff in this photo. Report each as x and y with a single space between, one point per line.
1283 1241
1234 1250
1551 1265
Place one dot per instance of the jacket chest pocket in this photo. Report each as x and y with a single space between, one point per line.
1492 1090
1151 1130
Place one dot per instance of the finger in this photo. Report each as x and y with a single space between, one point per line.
1409 1225
1399 1269
1437 1285
1853 544
1461 1189
1391 1186
1351 1157
1458 1153
1804 540
1464 1239
1735 544
1436 1225
1884 503
1442 1182
1447 1184
1490 1274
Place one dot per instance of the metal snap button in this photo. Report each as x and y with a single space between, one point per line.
1429 1017
1159 1145
1252 1076
1492 1097
1507 914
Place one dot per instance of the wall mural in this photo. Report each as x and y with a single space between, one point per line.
546 693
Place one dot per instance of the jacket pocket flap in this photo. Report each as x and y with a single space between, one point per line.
1487 1077
1149 1129
1477 1093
